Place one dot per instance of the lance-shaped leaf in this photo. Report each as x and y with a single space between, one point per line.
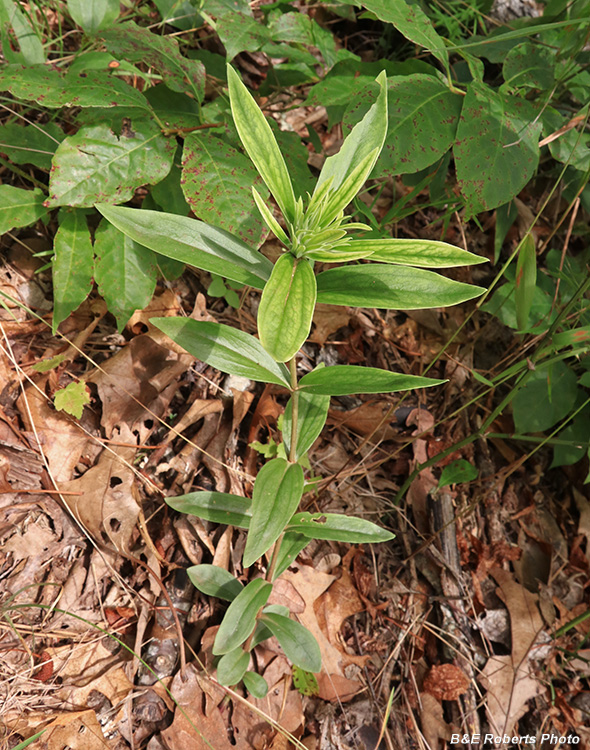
228 349
343 380
19 207
312 414
240 618
277 492
286 307
391 288
426 253
255 684
292 544
365 140
214 581
193 242
526 280
296 641
217 507
232 667
260 144
338 528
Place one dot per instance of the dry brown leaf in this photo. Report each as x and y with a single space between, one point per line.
105 503
434 727
366 418
77 731
327 319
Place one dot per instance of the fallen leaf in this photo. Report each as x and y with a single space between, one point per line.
327 319
434 727
79 731
445 682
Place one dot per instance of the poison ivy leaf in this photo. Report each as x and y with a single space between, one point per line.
93 15
137 44
95 165
391 288
412 22
260 144
578 432
181 14
240 618
175 109
217 507
19 208
277 492
497 151
338 528
572 147
343 380
313 412
286 307
72 399
296 641
457 472
255 684
72 264
31 144
217 182
554 389
299 28
124 271
423 115
425 253
168 193
214 581
193 242
232 667
226 348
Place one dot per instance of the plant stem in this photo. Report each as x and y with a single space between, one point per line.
294 411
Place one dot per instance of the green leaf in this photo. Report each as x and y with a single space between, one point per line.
260 144
548 396
344 380
412 22
391 288
497 147
48 88
277 492
526 280
136 44
312 415
49 364
305 682
457 472
193 242
268 217
357 155
124 271
232 667
286 308
255 684
240 619
217 507
72 399
240 32
228 349
31 49
93 15
217 183
578 432
19 208
72 264
425 253
31 144
291 545
529 65
338 528
95 164
214 581
296 641
423 115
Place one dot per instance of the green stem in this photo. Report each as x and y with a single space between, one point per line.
23 174
294 412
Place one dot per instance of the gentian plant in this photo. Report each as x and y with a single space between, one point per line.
316 230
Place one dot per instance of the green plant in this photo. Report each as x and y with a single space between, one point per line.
315 230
